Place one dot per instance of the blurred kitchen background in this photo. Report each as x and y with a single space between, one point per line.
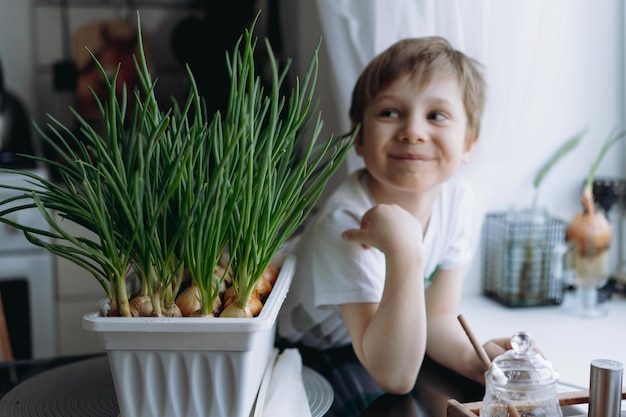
553 67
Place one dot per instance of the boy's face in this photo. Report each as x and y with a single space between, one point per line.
413 137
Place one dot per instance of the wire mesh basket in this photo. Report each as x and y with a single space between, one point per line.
518 258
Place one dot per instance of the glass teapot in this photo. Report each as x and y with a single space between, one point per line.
523 379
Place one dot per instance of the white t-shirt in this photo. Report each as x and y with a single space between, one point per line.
330 271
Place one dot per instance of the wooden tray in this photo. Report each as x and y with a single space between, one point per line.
456 409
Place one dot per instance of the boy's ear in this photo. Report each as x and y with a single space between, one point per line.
469 151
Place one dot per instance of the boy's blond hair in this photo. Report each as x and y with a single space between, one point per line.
423 58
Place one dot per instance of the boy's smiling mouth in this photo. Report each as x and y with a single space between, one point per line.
409 157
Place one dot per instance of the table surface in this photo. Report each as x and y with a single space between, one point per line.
568 341
85 388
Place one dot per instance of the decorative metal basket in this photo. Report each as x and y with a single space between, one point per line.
519 258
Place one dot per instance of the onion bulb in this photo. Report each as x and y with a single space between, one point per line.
236 310
114 311
230 296
589 231
233 308
255 305
171 311
271 273
230 301
263 288
217 306
231 292
188 301
140 306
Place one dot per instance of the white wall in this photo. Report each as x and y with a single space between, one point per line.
588 91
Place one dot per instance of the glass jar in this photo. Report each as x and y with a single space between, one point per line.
521 378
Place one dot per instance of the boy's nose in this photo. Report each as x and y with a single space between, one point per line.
413 131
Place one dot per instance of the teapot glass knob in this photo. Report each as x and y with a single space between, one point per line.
522 343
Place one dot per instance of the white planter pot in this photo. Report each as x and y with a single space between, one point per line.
190 367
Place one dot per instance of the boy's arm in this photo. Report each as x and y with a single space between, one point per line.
389 337
447 342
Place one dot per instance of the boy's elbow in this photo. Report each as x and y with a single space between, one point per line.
395 372
399 382
397 385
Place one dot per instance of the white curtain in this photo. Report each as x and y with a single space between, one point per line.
517 41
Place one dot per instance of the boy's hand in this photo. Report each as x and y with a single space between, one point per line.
389 336
496 347
389 228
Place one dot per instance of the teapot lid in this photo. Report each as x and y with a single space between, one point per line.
522 366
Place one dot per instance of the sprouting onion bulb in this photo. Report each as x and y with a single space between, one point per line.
188 301
590 231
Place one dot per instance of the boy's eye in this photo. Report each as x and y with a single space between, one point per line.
390 113
437 116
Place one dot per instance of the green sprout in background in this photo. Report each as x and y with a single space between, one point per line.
529 252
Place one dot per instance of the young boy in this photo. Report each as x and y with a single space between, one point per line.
381 266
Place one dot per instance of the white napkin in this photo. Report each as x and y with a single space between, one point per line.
286 395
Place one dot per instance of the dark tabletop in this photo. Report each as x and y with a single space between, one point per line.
356 394
81 388
85 388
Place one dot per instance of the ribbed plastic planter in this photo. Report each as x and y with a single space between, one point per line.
190 367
